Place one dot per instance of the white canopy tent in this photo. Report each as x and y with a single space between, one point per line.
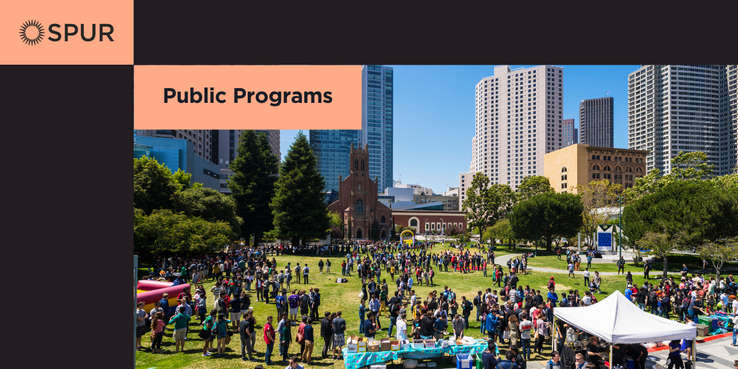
619 321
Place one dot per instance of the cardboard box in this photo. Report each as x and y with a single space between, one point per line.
373 348
385 344
395 345
379 366
703 330
361 349
431 343
418 344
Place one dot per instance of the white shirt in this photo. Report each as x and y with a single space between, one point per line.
735 306
586 274
401 330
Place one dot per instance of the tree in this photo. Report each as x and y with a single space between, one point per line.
687 212
531 186
486 204
596 195
166 232
658 244
729 181
502 230
298 205
702 209
210 205
182 180
453 231
718 252
153 186
552 214
336 226
255 171
691 166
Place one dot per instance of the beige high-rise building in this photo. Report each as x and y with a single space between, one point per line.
579 164
519 118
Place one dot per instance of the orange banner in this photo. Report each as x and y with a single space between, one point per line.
247 97
79 32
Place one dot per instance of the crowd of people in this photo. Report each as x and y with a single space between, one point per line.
513 314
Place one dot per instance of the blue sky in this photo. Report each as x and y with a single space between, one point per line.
434 115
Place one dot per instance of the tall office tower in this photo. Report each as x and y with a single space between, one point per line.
201 139
730 109
225 145
673 108
332 148
596 122
571 134
376 121
518 120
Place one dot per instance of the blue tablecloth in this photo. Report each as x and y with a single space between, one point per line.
362 359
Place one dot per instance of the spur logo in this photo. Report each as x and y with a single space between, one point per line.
32 32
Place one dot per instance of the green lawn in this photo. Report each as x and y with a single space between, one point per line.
342 297
675 261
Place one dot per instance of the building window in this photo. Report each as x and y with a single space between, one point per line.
413 223
563 169
383 220
359 207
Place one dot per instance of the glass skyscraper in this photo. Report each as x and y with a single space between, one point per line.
332 148
376 122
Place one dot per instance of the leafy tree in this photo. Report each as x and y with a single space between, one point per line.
298 205
687 212
532 185
182 180
596 195
336 226
718 252
255 171
729 181
453 231
555 214
153 186
166 232
485 204
502 231
691 165
659 244
208 204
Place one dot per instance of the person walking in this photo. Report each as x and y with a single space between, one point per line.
675 347
621 265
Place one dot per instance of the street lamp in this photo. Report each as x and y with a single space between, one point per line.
443 230
425 237
620 226
535 251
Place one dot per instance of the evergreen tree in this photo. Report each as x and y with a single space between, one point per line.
255 172
298 206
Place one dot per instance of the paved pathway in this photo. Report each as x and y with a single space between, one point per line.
715 354
504 258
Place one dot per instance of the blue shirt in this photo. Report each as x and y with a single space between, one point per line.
374 305
280 301
308 333
439 325
628 293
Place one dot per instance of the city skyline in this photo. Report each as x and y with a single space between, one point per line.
434 115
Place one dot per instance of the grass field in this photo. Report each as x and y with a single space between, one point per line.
342 297
675 261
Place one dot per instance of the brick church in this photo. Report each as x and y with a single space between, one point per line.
358 201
